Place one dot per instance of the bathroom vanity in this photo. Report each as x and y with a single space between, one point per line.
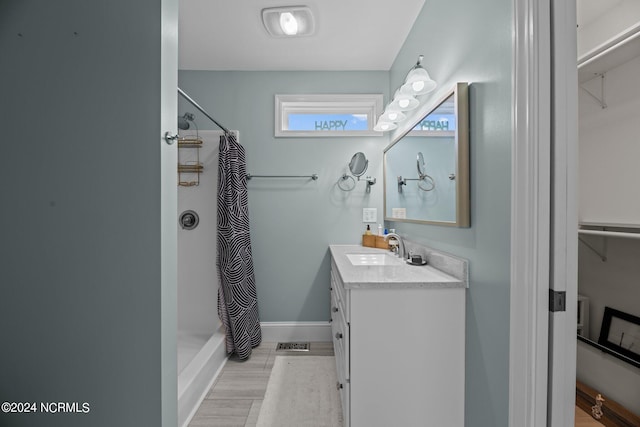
399 337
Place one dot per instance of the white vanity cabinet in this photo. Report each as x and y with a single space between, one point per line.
399 344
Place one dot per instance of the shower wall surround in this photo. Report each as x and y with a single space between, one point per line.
293 221
197 278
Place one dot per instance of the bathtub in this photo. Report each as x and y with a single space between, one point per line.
200 360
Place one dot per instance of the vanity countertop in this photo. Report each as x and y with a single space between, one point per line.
387 276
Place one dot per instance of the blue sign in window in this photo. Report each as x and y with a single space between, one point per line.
437 123
327 122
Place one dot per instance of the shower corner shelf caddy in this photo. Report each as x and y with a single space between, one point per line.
189 171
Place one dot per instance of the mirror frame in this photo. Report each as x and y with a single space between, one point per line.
460 93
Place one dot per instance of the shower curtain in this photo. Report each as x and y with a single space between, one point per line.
237 299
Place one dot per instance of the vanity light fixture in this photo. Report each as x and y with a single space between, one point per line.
290 21
391 115
384 126
417 82
404 101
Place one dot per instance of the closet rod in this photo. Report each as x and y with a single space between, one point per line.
195 104
610 234
313 177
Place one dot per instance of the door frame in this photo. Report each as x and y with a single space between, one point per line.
543 233
564 214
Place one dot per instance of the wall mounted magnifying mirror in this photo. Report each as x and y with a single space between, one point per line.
424 180
357 166
437 145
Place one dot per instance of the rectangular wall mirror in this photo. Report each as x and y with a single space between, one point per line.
426 168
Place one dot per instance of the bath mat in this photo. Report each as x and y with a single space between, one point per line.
302 392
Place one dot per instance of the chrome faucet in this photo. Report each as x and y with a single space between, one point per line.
401 250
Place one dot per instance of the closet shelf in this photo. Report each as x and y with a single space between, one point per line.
610 54
610 229
606 233
610 225
605 230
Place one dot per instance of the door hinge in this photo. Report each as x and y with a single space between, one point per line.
557 301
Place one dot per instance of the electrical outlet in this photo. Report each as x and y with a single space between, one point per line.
370 215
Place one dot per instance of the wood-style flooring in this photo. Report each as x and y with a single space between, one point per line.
584 419
236 396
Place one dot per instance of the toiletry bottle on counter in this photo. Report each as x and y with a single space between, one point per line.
393 243
368 231
379 229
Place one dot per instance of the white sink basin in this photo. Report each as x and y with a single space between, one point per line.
373 259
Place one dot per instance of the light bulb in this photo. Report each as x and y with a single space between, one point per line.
403 103
393 116
417 86
382 126
288 23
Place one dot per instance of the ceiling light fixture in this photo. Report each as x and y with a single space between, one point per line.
288 21
417 82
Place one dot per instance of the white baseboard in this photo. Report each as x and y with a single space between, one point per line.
296 331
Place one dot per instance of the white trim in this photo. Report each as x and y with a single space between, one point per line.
530 215
296 331
564 243
198 377
366 104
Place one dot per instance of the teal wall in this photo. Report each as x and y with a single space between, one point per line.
292 221
80 213
471 41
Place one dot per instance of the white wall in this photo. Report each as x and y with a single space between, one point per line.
197 248
620 17
609 148
609 176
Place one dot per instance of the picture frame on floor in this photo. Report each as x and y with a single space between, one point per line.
620 332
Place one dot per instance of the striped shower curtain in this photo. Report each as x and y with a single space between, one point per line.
237 299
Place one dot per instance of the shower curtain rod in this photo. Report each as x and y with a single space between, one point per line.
195 104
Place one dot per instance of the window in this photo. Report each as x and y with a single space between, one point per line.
327 115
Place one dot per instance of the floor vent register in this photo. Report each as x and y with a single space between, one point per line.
292 346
